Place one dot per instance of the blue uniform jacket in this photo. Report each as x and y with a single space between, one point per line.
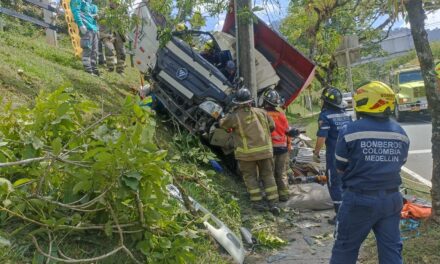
370 152
84 13
330 122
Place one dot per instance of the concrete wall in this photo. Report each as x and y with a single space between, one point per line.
401 40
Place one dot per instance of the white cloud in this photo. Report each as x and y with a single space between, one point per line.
220 22
273 11
432 20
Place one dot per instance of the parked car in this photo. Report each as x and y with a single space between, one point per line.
348 99
193 87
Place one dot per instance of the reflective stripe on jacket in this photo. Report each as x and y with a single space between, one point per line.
279 137
251 128
371 152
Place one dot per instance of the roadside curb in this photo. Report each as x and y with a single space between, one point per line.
417 176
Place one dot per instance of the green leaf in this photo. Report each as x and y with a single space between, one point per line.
56 146
131 183
37 143
62 109
93 152
7 202
134 174
104 157
5 186
4 242
21 181
138 111
82 186
108 229
144 247
165 243
160 155
3 144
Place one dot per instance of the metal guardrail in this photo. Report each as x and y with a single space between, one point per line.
33 20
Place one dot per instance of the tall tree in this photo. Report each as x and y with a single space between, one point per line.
318 26
416 16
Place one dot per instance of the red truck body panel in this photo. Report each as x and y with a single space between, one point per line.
295 70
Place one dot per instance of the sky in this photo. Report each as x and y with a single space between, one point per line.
275 10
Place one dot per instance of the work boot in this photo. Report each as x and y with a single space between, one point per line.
274 208
120 70
260 206
96 72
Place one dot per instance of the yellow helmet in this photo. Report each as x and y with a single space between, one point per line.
181 27
209 45
374 98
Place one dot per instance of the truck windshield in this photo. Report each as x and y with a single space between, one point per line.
410 76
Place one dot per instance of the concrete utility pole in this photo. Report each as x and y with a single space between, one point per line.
246 48
349 76
346 54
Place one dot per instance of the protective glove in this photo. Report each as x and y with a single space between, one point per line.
83 30
293 132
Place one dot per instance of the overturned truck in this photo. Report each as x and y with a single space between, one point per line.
195 88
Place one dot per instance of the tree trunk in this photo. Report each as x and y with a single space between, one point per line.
246 48
416 16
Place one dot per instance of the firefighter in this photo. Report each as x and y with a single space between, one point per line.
370 153
84 14
114 43
209 53
229 71
253 149
272 100
331 119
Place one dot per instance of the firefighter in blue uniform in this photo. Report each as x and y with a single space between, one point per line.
370 153
332 118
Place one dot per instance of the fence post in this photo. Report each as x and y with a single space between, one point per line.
49 17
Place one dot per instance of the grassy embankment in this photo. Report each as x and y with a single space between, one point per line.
28 65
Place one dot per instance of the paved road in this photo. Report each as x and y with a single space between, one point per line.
419 130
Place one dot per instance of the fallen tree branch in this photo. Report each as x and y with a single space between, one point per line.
84 131
71 260
100 227
140 207
121 235
71 207
22 162
186 202
50 246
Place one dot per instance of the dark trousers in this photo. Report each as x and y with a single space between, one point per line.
89 44
334 186
358 215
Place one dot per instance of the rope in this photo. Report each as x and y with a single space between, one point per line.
409 226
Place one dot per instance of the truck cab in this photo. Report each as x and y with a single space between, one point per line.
194 87
410 92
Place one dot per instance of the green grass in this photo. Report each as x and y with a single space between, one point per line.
422 249
28 64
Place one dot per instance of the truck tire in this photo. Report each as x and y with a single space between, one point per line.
398 114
